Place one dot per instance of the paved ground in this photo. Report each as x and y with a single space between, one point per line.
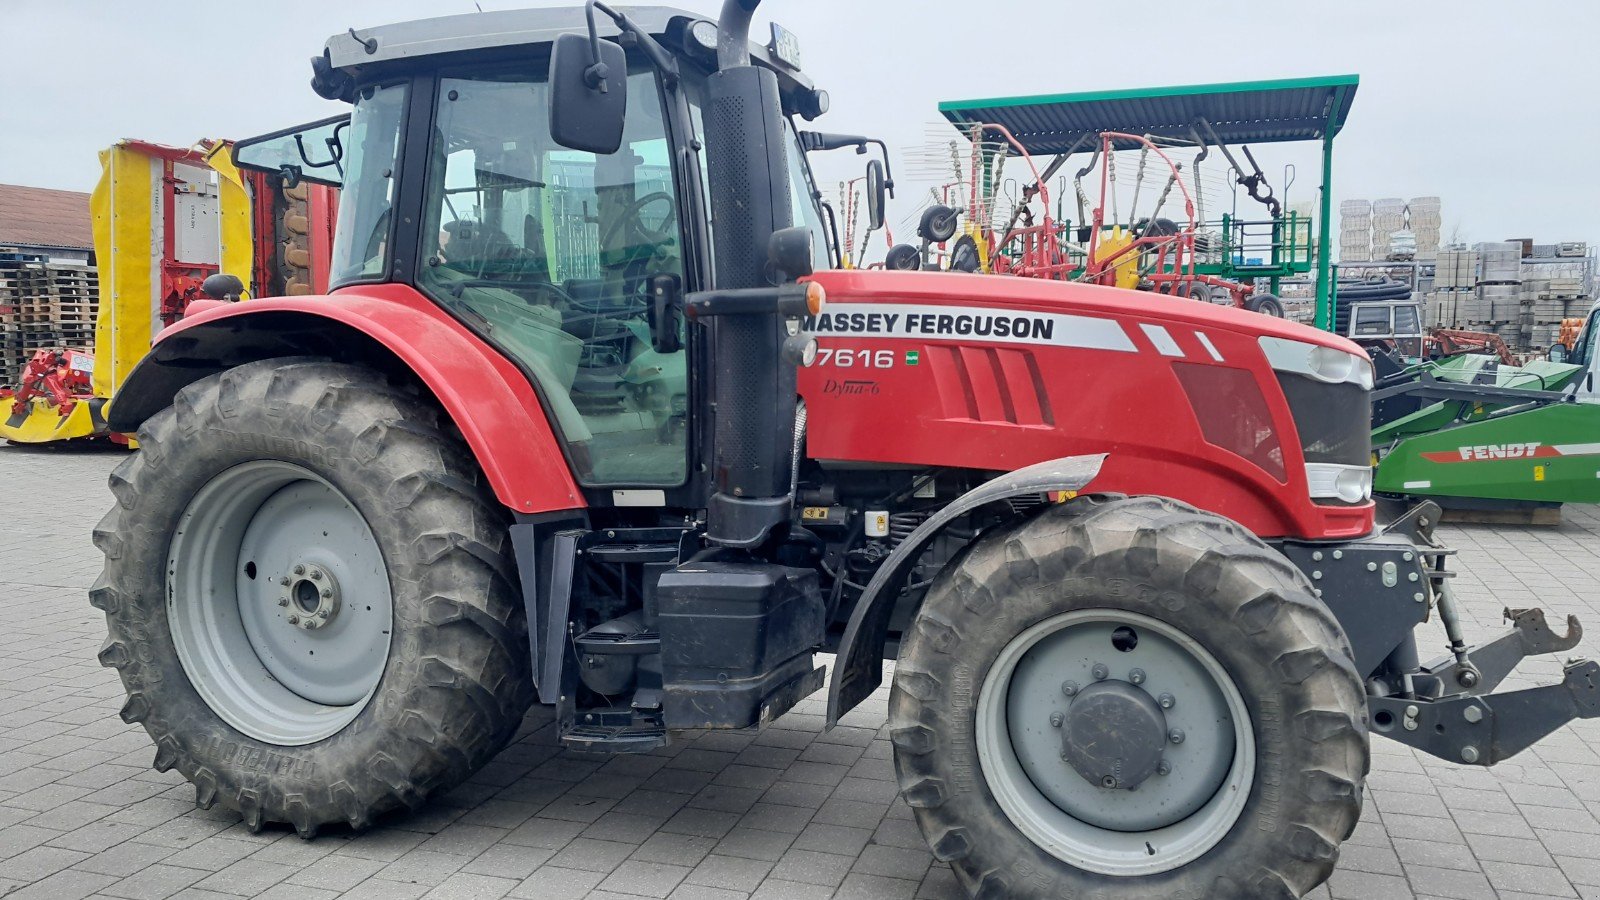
790 814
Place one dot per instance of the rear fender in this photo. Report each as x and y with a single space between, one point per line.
858 668
391 328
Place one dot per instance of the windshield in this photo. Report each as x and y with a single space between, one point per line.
551 251
803 200
370 143
1583 351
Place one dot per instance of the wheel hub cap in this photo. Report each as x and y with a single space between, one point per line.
311 597
1113 735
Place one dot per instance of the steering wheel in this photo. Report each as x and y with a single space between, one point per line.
630 214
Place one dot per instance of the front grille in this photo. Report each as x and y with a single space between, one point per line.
1334 420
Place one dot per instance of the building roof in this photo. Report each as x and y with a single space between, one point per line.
1289 109
41 217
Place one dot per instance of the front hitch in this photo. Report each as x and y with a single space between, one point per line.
1381 587
1484 730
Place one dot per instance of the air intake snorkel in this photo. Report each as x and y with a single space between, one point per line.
754 384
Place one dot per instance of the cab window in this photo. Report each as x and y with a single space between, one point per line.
550 251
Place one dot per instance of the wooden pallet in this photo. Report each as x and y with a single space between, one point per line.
1545 515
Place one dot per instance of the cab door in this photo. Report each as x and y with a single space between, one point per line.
553 252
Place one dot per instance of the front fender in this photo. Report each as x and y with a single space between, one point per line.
858 667
490 400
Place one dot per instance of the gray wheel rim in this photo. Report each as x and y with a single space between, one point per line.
279 602
1170 819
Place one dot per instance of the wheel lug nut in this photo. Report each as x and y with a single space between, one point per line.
1069 688
327 593
309 624
283 601
316 574
294 620
299 570
1136 676
1165 768
1166 701
284 581
1056 720
1175 735
1100 672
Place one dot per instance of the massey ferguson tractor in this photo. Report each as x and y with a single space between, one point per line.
584 420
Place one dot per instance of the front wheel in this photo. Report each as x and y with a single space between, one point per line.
309 596
1129 698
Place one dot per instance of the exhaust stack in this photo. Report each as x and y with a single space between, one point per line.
754 386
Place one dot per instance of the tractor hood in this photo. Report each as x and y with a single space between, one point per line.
1220 407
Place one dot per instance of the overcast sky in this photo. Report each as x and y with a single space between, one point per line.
1489 105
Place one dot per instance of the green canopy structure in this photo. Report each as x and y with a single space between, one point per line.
1245 112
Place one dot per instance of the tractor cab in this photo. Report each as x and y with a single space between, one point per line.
568 259
1391 325
1585 353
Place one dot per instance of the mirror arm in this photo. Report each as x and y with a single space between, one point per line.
888 173
633 36
822 140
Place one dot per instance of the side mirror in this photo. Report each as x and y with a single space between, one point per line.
1558 353
666 319
588 93
876 195
789 253
222 286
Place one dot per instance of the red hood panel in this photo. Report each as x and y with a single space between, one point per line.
999 372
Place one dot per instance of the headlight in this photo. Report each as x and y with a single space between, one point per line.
1347 484
1327 364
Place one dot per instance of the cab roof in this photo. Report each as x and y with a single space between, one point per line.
467 32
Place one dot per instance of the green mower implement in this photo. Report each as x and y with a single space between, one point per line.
1471 433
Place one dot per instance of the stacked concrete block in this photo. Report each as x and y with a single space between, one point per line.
1499 262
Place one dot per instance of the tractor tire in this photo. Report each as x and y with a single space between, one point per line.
309 593
1266 304
1166 620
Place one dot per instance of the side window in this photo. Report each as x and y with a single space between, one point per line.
551 251
801 201
366 204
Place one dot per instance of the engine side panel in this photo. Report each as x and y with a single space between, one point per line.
998 373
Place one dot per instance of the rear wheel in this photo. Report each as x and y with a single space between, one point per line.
309 596
1129 698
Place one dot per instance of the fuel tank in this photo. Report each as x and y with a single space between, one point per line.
994 372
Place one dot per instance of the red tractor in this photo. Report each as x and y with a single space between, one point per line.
582 421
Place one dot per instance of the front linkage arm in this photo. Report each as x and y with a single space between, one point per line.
1484 730
1381 587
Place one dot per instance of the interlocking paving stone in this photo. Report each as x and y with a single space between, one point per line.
790 813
